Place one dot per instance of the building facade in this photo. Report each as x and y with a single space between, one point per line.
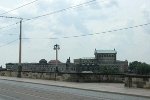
102 58
38 67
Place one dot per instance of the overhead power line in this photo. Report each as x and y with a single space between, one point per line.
85 34
96 33
2 32
65 9
11 17
15 17
9 43
19 7
9 25
9 34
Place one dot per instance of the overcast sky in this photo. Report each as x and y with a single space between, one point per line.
95 17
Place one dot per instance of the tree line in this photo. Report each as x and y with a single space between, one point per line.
140 68
135 67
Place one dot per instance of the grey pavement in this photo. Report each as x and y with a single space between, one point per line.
117 88
13 90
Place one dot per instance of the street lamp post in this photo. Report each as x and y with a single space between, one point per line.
56 47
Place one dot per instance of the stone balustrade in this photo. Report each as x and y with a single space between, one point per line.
72 77
137 81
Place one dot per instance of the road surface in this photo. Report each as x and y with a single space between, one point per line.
12 90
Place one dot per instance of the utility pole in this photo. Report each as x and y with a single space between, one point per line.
20 66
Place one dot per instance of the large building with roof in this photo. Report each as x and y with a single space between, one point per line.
42 66
107 58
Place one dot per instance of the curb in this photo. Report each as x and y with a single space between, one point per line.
80 88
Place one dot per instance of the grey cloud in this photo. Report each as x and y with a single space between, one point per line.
95 6
54 5
111 3
68 19
146 15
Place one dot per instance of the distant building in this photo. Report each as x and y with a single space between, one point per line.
70 66
41 66
105 58
54 62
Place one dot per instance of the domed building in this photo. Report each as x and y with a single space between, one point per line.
43 61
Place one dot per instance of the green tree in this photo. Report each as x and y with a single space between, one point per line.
103 69
139 68
133 65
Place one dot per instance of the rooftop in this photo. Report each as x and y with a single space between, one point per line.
88 58
105 51
54 61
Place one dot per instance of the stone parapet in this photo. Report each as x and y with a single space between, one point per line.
71 77
146 86
14 74
137 81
